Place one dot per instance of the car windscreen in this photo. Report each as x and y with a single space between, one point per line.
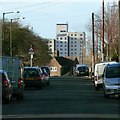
30 73
113 72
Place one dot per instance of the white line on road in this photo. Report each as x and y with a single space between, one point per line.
114 116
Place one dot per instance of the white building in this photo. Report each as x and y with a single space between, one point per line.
68 44
51 46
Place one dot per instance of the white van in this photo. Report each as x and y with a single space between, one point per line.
98 72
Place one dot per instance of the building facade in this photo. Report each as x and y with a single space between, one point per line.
68 44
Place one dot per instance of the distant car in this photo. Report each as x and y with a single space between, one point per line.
6 87
46 68
82 70
111 80
98 72
33 76
46 76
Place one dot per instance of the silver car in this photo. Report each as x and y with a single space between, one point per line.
111 80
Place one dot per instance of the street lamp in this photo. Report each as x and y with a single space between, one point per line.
4 21
11 32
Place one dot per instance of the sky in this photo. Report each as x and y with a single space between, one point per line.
43 15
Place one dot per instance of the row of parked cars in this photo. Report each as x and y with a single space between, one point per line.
107 76
32 77
36 76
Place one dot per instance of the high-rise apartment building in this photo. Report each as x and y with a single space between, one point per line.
68 44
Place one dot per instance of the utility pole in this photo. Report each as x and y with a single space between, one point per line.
103 31
93 50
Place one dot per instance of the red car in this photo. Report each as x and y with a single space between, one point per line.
6 87
33 77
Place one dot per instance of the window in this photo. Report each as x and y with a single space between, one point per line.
53 69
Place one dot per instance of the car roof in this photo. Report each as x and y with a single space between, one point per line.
32 67
113 64
103 63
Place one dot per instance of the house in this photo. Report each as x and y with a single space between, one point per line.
60 66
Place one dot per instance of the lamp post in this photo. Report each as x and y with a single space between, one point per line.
11 32
3 21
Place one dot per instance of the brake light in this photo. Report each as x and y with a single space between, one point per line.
20 82
39 78
46 75
5 82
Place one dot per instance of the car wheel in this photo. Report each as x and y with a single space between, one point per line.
19 96
106 95
8 100
48 83
96 87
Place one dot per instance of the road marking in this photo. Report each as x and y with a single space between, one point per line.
113 116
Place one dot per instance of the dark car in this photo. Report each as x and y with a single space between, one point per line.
33 76
82 70
46 68
6 87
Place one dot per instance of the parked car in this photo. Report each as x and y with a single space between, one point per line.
98 72
14 68
47 69
46 76
33 76
111 80
82 70
6 87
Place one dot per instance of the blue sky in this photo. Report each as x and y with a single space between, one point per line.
43 15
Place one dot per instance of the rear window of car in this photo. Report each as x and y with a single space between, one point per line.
46 68
31 73
83 68
113 72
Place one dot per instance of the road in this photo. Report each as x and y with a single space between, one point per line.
66 97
